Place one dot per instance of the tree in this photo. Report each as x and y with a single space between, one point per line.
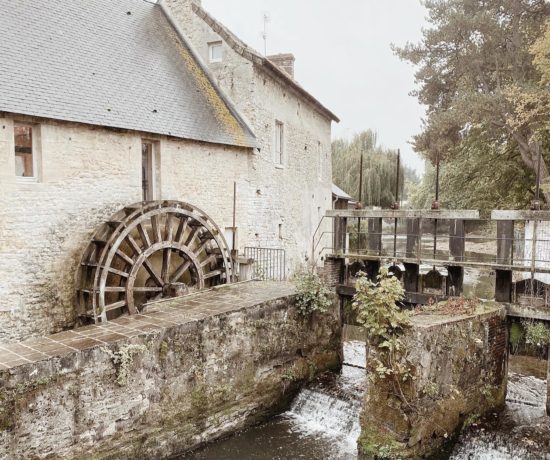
379 166
482 68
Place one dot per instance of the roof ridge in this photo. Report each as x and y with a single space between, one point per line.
251 54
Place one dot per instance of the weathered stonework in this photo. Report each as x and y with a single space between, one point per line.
153 385
88 172
460 367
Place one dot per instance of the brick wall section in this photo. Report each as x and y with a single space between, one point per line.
332 271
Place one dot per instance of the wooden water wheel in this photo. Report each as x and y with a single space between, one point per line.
148 251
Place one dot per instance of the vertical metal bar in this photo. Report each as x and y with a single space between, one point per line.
234 213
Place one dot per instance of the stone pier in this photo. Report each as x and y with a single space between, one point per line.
149 386
459 365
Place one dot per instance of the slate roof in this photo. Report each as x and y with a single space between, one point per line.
339 193
114 63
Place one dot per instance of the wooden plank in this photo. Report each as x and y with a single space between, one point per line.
443 214
505 238
519 215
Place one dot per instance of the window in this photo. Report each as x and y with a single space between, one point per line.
147 168
25 156
279 142
215 51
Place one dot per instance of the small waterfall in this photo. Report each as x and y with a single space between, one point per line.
330 407
514 434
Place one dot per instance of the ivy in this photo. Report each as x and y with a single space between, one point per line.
313 295
378 312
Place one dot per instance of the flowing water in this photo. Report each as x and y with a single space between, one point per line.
323 421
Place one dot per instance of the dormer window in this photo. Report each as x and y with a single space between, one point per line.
215 52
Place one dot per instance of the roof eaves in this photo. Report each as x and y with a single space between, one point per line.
173 23
247 52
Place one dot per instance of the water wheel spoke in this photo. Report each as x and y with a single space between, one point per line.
212 274
208 260
149 267
157 237
115 289
120 273
147 289
112 306
181 230
192 237
144 235
180 271
133 244
166 258
125 257
168 229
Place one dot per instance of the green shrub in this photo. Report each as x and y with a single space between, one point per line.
384 321
313 295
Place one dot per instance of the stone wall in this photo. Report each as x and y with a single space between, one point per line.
86 175
286 202
459 365
157 384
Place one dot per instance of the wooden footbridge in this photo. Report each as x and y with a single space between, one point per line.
429 251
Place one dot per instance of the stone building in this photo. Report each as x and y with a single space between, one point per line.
104 104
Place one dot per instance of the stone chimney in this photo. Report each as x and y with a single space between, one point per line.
284 61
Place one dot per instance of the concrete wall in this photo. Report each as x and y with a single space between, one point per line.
178 381
86 175
460 373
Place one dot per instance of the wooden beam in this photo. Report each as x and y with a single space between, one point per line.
404 214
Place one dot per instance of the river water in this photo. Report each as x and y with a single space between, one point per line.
323 422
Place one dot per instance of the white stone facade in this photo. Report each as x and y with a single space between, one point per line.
86 173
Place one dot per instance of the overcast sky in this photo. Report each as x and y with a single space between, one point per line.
343 57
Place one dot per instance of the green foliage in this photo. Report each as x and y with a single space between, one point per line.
384 321
313 295
492 173
379 166
481 72
537 334
516 336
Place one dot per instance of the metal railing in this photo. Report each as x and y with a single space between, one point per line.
269 263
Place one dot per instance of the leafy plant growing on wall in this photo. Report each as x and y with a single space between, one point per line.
537 334
313 295
385 322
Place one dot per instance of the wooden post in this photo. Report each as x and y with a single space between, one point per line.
503 286
411 277
505 239
375 236
413 234
457 242
340 234
455 281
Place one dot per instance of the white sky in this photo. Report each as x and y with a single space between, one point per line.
343 58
